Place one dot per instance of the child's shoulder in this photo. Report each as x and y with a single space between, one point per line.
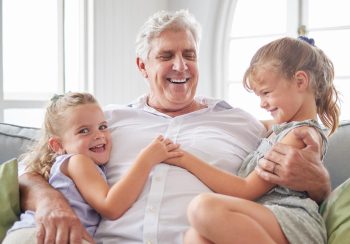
285 128
79 159
288 133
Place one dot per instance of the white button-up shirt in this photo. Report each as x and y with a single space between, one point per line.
219 134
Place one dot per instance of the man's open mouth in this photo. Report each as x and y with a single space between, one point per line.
176 81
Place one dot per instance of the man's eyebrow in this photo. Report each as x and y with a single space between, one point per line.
190 50
165 51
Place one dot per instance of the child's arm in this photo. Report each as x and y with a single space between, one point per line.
112 202
220 181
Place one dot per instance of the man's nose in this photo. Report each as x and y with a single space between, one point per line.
180 64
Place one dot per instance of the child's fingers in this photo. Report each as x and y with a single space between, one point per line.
167 141
175 154
172 146
160 138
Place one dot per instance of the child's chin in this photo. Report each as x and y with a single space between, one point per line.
100 162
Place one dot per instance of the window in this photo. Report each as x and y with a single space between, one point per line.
251 28
43 53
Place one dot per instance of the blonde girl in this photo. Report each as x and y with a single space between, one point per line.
74 145
294 80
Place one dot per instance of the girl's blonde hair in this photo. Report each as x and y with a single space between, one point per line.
289 55
40 156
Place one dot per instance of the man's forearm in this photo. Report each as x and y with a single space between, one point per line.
53 215
35 190
322 188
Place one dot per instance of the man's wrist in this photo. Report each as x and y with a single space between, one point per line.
321 190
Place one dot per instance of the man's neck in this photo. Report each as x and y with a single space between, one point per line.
192 107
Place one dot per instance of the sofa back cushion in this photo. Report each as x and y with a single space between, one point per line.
14 140
337 159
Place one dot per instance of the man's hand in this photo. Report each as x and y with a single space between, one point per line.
298 169
59 224
56 221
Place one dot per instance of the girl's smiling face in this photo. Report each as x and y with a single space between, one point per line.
281 97
85 131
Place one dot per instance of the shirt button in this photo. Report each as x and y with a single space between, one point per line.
149 242
151 209
158 178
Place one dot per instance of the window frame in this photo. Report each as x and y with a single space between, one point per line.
85 8
223 82
24 104
296 23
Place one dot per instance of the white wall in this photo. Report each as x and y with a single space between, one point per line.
116 23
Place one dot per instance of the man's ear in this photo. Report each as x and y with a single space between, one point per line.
142 67
56 145
302 80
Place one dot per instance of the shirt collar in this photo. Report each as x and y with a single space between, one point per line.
212 104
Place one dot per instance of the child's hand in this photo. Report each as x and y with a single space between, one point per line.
177 161
159 150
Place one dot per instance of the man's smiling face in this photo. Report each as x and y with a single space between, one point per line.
171 69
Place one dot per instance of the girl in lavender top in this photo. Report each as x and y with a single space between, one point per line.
74 146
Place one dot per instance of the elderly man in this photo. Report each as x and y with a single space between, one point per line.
167 49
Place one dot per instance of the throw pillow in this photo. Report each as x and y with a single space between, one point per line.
9 196
336 213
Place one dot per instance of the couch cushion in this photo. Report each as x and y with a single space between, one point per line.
9 195
337 159
15 140
336 213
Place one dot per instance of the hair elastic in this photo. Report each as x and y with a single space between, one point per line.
311 41
56 97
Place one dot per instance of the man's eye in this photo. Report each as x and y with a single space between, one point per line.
164 57
84 131
190 56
